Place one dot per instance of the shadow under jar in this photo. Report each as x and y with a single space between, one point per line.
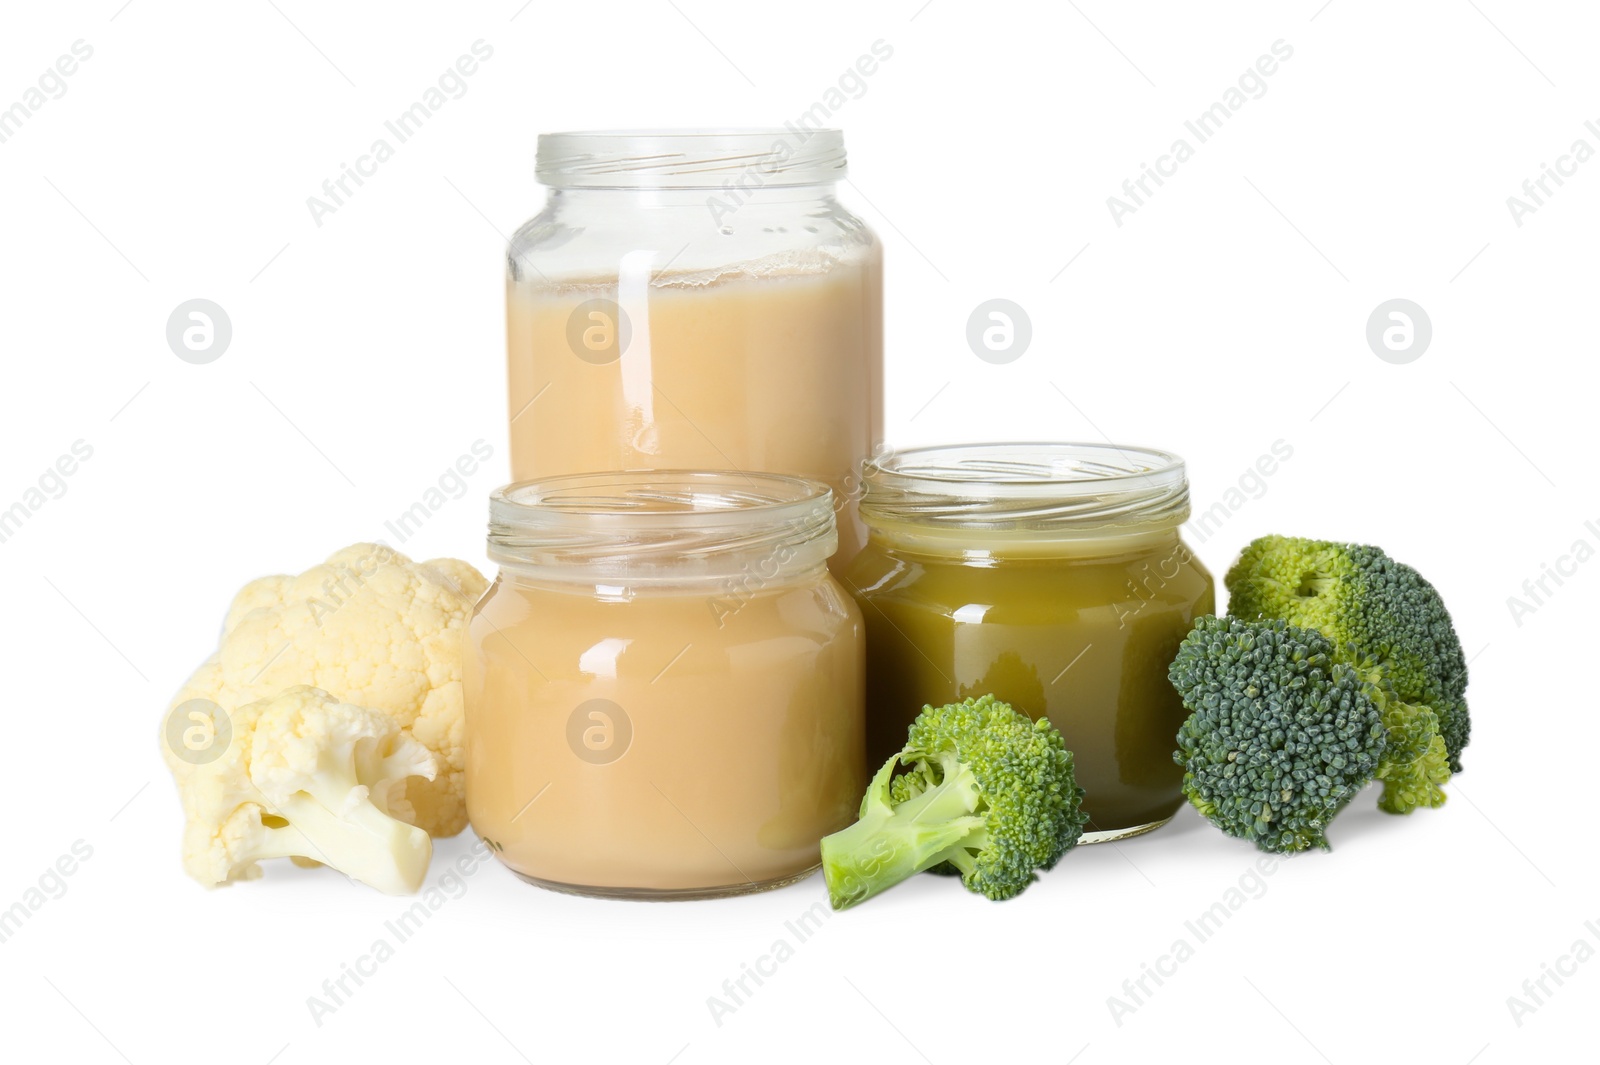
664 685
696 299
1051 575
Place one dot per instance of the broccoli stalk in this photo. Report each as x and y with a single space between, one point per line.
985 789
893 843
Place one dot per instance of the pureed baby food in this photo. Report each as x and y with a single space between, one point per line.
696 300
664 685
1053 577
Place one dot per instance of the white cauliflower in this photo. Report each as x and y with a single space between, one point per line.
370 627
305 776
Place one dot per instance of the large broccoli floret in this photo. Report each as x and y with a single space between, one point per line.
1279 737
986 789
1370 606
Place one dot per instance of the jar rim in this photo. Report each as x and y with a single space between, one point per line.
661 524
690 158
1036 486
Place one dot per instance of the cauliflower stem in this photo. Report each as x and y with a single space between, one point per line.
364 843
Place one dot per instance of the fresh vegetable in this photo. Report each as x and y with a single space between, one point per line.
985 789
1279 736
1381 616
1415 762
306 776
373 628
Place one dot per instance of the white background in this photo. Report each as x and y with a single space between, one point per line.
1225 314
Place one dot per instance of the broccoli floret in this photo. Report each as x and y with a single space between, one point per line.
1370 606
1415 762
986 789
1279 737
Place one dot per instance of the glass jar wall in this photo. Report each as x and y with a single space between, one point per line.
664 688
1051 575
696 299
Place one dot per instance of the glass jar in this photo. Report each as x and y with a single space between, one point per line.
1051 575
664 685
696 299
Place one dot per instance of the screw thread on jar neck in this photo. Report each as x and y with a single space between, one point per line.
662 527
691 158
1026 492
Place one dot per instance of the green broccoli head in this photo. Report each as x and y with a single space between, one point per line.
985 789
1279 737
1369 605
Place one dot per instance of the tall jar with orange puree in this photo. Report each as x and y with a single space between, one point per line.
696 299
664 685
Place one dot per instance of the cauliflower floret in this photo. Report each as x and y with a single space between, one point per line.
305 776
373 628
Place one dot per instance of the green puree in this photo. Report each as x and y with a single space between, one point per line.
1083 638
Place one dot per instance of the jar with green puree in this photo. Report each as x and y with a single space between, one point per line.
1052 575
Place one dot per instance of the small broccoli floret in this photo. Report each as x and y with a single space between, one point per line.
1415 762
1369 605
1279 737
986 789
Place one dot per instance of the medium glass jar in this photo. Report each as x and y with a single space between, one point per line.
696 299
664 685
1051 575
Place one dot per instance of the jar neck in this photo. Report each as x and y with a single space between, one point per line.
1025 493
691 158
755 578
727 195
986 547
664 528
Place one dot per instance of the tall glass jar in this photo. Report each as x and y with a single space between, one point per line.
1051 575
696 299
664 689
